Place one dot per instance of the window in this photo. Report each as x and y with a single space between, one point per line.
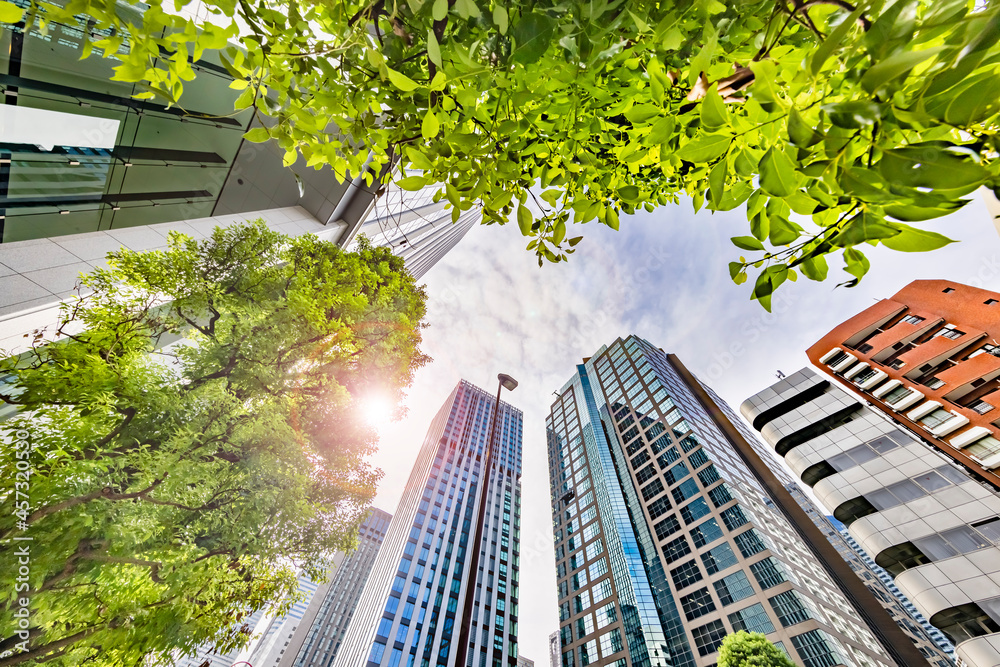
707 638
896 395
949 332
686 574
611 643
935 418
697 604
698 459
653 489
658 507
789 608
720 495
688 489
960 540
912 319
598 569
709 476
719 558
606 615
690 442
733 588
990 302
984 448
749 543
965 622
645 475
677 473
734 517
751 619
639 459
981 407
948 290
667 527
706 533
676 549
668 457
768 573
818 649
588 652
694 510
584 626
378 649
934 383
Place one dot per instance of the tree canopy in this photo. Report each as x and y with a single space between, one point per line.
171 490
751 649
836 123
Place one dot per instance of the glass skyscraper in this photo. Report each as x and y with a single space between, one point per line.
410 612
318 637
670 534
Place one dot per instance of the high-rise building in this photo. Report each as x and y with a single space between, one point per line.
903 611
670 532
411 610
931 643
207 653
929 359
525 662
317 638
905 497
555 651
276 634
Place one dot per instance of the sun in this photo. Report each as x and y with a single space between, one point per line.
376 410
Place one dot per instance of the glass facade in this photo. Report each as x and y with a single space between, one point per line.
410 612
684 521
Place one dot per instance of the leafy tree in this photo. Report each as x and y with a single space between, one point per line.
176 488
751 649
835 122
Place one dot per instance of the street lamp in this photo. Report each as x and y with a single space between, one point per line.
461 658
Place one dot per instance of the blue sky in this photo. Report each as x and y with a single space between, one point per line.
663 276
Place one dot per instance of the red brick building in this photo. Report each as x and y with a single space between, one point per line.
928 358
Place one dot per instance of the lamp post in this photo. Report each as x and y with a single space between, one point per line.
461 656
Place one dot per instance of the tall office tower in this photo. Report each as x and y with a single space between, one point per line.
410 612
670 532
318 637
207 653
555 650
935 635
525 662
903 495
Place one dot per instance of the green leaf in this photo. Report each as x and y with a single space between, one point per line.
640 113
853 115
800 132
573 241
782 231
532 35
972 101
559 233
778 177
832 42
765 87
430 126
910 239
433 48
439 10
705 148
401 81
10 13
524 219
932 166
717 183
863 227
612 219
915 213
760 226
629 193
257 135
500 19
412 183
857 263
714 114
701 60
815 268
895 66
747 243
